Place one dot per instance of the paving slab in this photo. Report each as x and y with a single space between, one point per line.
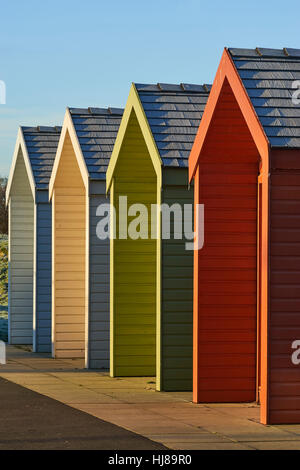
209 446
291 428
190 438
274 445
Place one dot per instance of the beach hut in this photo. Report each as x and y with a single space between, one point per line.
245 163
80 260
151 276
30 237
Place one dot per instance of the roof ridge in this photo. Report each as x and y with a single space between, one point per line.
265 52
41 129
96 110
173 87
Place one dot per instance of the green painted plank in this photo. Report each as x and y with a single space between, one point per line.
134 276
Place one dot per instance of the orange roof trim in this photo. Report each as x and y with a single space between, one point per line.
227 70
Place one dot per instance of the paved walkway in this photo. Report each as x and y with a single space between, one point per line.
30 421
132 403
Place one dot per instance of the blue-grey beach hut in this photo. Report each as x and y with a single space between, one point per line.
30 237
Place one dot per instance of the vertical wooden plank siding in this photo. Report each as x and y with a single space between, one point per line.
21 238
177 296
259 294
43 277
134 267
226 334
99 292
196 313
284 319
111 284
69 257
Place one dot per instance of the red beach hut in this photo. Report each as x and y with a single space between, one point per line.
245 163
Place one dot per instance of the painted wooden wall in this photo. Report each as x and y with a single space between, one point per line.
98 288
133 306
42 314
284 320
226 267
69 245
21 242
177 293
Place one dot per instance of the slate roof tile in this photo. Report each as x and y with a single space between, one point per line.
96 129
41 143
173 113
268 76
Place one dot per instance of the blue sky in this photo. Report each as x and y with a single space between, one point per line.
83 53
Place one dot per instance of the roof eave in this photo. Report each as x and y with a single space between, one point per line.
20 143
227 70
134 103
68 126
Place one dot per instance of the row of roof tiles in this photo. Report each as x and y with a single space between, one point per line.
174 112
269 77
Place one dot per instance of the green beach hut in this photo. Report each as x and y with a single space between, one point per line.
151 278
